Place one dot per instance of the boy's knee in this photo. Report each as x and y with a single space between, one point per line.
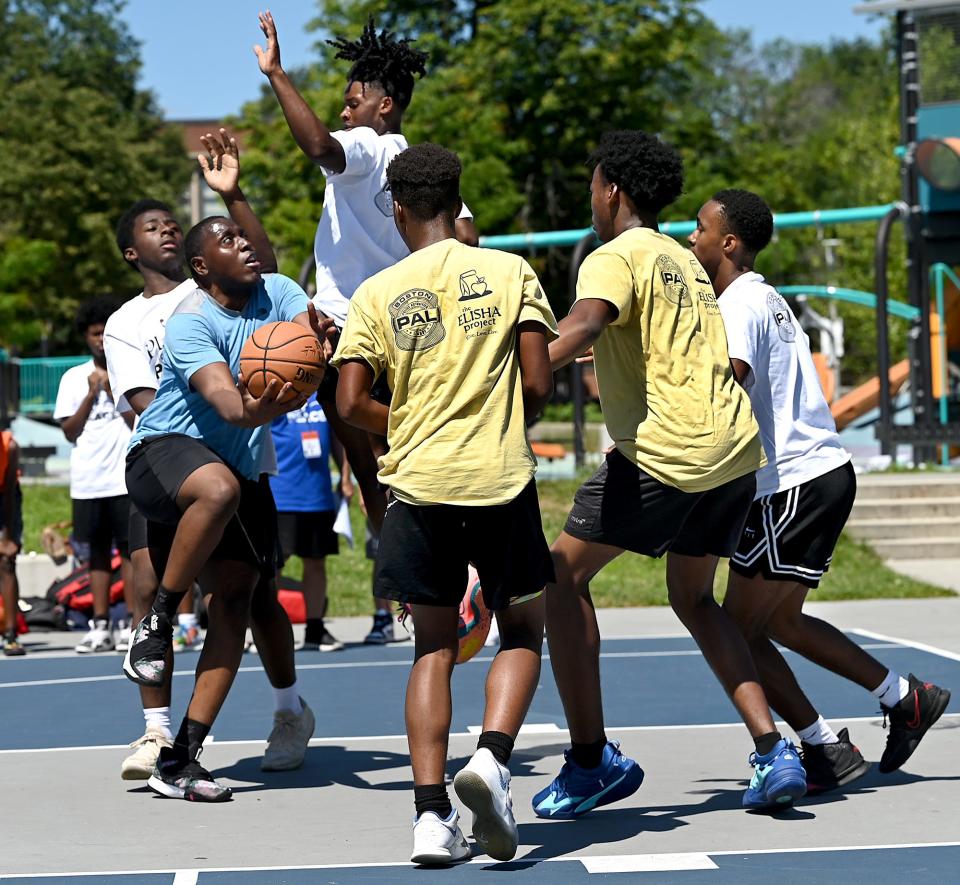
751 624
223 496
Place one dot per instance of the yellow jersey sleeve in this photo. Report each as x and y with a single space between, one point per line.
607 276
362 336
534 306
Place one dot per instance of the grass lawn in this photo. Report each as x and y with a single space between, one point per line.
856 573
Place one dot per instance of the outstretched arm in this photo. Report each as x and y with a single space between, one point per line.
579 329
221 171
308 131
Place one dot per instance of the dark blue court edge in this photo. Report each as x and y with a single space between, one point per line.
637 691
918 866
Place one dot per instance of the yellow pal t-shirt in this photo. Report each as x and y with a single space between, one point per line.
670 400
442 323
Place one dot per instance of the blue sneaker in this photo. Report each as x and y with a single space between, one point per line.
779 778
576 790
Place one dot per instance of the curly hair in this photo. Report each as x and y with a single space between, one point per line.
384 60
649 171
747 216
95 312
425 180
129 219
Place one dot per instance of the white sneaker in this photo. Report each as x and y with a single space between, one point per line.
97 639
437 841
287 744
484 787
139 765
123 638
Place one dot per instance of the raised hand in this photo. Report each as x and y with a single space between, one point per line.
221 170
269 58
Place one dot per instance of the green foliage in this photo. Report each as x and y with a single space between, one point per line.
522 91
80 143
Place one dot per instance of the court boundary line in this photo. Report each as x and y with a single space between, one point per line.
368 738
189 871
347 665
909 643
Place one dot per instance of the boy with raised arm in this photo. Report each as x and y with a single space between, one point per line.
461 334
356 236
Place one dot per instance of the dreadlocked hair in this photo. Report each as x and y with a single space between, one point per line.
425 180
383 60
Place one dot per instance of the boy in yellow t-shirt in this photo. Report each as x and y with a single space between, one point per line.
462 335
679 480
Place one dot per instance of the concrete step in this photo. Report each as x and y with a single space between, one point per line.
918 548
876 529
905 508
908 485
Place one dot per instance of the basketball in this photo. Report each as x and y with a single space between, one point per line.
286 352
475 618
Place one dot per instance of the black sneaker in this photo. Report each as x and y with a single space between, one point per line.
909 721
829 766
178 778
146 660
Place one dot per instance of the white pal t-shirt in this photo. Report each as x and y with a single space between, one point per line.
356 236
98 458
133 340
798 432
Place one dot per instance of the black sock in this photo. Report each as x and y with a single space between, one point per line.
190 737
432 797
498 743
314 631
588 755
167 602
766 742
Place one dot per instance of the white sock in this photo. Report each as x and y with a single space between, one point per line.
287 699
818 733
892 690
187 620
158 717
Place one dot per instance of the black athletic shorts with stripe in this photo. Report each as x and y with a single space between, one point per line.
158 467
791 535
623 506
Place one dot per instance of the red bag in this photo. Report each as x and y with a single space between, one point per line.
74 592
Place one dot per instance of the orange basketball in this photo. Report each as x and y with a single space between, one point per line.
286 352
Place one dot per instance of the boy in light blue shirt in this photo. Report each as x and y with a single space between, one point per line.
195 462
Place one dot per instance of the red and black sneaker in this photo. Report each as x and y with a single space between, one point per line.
909 721
829 766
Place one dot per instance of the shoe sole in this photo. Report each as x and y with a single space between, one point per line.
435 860
134 676
493 836
164 789
135 774
781 793
938 709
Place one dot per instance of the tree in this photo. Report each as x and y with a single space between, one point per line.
80 143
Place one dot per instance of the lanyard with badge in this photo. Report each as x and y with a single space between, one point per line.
310 443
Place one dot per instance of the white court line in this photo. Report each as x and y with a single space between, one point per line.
186 877
486 861
533 730
909 643
345 665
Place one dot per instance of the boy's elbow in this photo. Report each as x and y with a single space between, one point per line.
538 392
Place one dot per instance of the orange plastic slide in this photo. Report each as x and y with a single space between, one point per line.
867 396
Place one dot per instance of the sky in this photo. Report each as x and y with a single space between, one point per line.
198 57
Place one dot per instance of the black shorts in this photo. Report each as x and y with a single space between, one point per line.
625 507
158 467
103 522
791 535
424 552
308 535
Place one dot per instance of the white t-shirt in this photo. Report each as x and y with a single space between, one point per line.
133 340
356 236
98 458
798 432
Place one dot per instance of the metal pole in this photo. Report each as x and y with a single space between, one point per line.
883 335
